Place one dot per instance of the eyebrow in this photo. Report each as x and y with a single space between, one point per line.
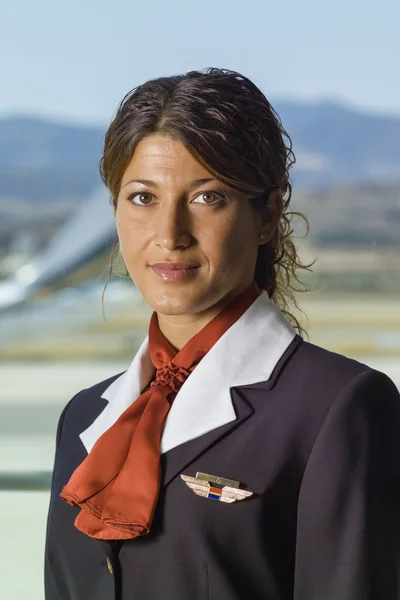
153 184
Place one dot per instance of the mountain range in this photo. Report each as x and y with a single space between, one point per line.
41 160
335 144
347 171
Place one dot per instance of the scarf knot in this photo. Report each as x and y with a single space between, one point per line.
171 375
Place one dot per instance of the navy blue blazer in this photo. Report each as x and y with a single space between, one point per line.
318 444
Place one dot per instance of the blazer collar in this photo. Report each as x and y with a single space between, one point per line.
247 353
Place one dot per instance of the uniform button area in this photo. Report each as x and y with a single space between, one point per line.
109 565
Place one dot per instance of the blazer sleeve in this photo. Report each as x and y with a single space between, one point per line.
50 587
348 532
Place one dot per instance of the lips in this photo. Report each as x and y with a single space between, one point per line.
174 266
174 271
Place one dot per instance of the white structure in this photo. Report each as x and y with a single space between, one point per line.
83 236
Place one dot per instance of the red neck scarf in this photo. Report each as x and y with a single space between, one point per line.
117 485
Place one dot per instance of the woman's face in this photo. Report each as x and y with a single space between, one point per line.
170 208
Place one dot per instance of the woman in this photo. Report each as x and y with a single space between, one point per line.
224 400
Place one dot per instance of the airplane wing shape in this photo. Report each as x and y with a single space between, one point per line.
90 229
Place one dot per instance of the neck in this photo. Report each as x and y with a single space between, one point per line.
179 329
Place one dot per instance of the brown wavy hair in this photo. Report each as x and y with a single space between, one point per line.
228 126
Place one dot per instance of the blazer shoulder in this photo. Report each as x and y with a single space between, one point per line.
320 383
320 374
326 362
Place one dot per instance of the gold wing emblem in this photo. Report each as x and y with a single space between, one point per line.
206 490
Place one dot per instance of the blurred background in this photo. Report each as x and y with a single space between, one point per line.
330 71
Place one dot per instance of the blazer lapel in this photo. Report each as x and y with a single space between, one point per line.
179 458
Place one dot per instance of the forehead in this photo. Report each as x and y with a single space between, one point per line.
161 156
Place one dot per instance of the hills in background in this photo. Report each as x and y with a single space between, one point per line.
347 175
336 144
42 161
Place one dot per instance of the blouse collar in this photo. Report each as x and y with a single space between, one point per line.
247 353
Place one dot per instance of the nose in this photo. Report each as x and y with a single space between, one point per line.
172 226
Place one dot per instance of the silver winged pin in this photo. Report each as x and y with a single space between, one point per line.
203 487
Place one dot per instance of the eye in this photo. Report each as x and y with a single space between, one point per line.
210 197
140 198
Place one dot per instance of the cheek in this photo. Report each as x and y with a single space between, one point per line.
130 233
229 240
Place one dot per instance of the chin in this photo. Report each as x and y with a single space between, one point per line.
171 303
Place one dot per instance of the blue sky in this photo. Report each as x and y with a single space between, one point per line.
75 60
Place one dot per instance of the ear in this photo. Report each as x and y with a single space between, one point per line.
271 216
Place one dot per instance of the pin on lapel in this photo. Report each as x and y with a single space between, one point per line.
225 490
